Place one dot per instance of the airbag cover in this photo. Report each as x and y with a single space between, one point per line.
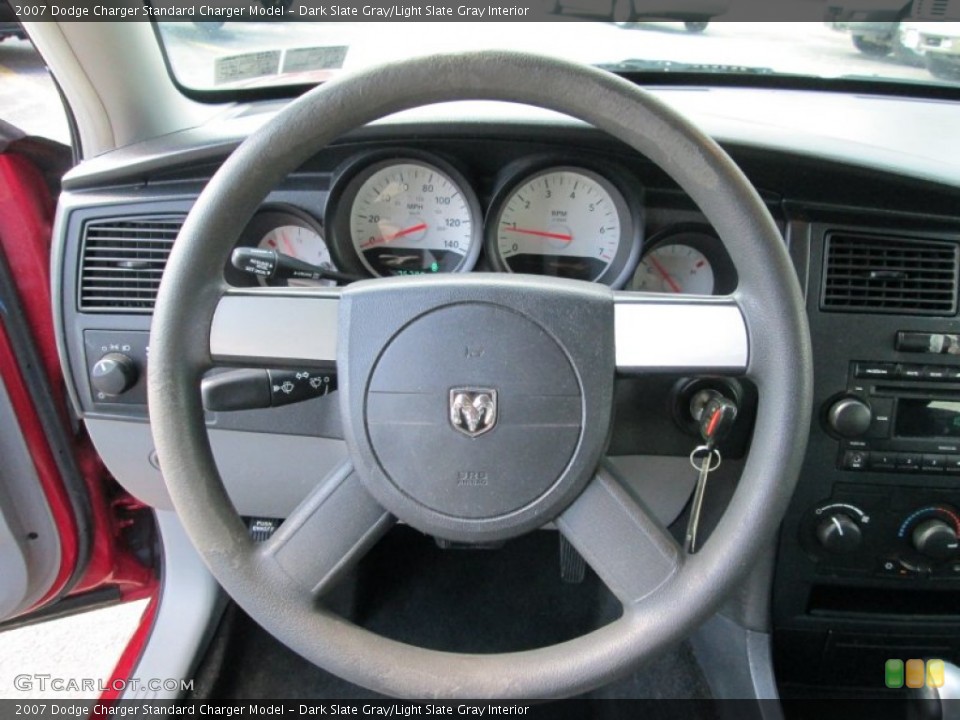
476 408
456 372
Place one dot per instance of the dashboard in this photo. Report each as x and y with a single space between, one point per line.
867 564
396 211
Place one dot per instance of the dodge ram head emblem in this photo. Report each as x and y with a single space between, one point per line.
473 411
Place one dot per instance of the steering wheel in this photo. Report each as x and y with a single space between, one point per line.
408 350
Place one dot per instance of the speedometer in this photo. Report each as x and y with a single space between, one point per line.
566 222
409 217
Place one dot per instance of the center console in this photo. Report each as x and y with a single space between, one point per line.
869 559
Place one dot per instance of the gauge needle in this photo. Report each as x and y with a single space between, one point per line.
666 276
393 236
540 233
288 245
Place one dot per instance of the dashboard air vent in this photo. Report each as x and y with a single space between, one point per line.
123 260
872 273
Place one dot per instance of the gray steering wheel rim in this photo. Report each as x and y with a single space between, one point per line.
769 296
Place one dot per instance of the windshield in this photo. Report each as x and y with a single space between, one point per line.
215 54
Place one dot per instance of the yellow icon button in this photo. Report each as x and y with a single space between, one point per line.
935 673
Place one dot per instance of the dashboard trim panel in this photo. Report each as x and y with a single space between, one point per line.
694 334
260 326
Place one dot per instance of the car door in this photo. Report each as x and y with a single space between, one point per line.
69 539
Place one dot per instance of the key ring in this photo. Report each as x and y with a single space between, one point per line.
698 466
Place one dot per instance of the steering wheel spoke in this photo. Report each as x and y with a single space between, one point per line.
626 546
699 334
328 532
275 327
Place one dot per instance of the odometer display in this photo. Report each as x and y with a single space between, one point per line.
412 217
565 222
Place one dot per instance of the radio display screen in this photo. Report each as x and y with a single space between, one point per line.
928 418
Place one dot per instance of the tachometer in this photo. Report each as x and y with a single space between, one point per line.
409 217
566 222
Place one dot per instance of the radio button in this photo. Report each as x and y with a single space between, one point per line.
934 463
880 460
882 410
911 372
856 460
935 372
875 370
908 461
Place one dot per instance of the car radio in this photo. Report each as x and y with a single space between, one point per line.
897 417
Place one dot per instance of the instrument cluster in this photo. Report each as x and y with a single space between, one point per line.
413 213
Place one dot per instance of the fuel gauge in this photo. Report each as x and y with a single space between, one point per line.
674 268
290 231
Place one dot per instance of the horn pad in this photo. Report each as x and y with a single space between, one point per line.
471 421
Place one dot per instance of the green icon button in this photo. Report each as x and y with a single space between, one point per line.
893 673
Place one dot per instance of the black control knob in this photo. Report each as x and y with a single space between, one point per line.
936 539
849 417
839 533
114 374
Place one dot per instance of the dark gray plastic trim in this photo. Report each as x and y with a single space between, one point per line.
631 552
190 605
266 474
738 665
333 527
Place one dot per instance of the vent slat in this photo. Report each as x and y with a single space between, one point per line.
870 273
123 261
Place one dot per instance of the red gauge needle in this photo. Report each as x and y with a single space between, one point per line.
288 245
666 276
540 233
393 236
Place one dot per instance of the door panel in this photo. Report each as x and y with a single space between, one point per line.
30 551
65 527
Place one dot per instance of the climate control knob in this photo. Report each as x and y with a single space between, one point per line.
849 417
935 538
114 374
839 533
